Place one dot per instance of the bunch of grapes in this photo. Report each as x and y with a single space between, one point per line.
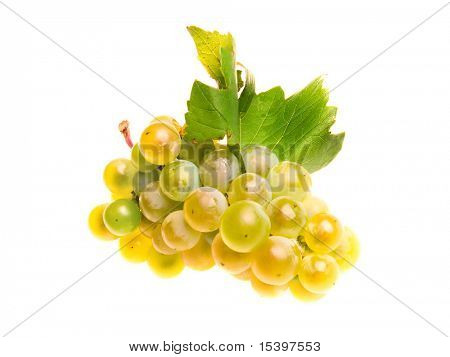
178 204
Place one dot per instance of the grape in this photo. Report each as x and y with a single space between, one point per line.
165 266
347 253
118 176
142 179
245 275
96 224
122 217
195 152
155 205
287 217
250 187
258 159
244 226
229 260
160 143
218 169
276 262
177 233
318 272
199 257
178 179
203 209
158 242
138 160
146 227
314 205
323 233
209 236
289 179
300 293
266 290
135 247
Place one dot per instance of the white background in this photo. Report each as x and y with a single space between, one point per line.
389 183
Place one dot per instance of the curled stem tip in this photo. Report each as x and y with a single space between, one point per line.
124 128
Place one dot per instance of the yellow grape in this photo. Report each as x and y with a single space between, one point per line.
258 159
118 196
314 205
158 242
250 186
203 209
146 227
347 253
318 272
287 217
289 179
177 233
276 262
165 266
209 236
267 290
302 294
135 247
244 226
160 143
118 176
199 257
229 260
168 120
323 233
97 225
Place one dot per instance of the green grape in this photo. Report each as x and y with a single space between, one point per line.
289 179
135 247
178 179
347 253
318 273
267 290
218 169
203 209
195 152
245 275
118 176
250 187
122 217
160 143
138 160
276 262
323 233
287 217
229 260
314 205
302 294
155 205
97 225
177 233
244 226
165 266
258 159
199 257
158 242
142 179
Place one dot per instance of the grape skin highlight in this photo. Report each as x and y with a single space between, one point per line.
218 169
323 233
318 272
118 176
287 217
250 187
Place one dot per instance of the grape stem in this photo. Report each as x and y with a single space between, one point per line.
124 128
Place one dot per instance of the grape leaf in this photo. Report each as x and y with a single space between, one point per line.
208 47
296 128
213 112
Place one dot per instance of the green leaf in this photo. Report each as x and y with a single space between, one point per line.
213 113
208 47
296 128
248 92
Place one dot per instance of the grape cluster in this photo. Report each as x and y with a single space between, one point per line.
178 204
